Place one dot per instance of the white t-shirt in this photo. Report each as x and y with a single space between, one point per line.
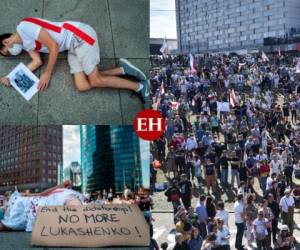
260 226
238 209
269 183
222 234
285 202
223 214
29 32
275 167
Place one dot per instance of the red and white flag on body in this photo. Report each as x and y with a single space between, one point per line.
164 49
298 66
192 64
232 97
279 53
264 57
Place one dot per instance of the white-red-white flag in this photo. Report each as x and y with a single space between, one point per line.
174 105
192 64
232 97
164 48
264 57
298 66
162 88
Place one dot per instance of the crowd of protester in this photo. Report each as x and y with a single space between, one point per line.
256 141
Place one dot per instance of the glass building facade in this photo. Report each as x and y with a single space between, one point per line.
112 156
230 25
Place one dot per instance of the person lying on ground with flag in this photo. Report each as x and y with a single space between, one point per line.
22 207
36 36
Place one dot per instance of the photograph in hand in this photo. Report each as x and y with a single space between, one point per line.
23 81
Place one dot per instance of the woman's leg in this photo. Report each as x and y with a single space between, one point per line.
113 72
82 82
98 80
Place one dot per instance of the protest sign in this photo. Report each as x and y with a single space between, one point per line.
90 226
223 107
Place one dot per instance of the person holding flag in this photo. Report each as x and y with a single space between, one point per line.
164 48
192 64
264 57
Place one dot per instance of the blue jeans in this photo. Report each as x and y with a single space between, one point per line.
235 175
224 176
239 235
263 183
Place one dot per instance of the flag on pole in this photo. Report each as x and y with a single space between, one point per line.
233 100
161 92
298 66
264 57
192 64
164 48
162 88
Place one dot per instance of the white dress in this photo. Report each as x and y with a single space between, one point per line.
21 211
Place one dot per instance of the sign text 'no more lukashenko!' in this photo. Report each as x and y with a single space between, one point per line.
90 226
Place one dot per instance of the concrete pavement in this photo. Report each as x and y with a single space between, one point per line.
20 241
119 34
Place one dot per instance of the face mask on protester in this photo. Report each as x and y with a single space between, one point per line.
16 49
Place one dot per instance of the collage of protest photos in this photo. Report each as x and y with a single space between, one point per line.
150 124
73 172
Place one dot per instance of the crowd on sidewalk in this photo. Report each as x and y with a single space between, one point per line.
232 122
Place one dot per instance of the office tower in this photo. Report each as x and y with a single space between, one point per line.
29 156
112 157
228 25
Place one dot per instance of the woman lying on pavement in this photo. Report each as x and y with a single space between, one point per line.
22 207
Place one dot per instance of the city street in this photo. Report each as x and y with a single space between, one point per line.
164 229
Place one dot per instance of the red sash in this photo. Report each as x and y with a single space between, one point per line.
84 36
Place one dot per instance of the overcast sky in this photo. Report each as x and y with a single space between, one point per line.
71 144
162 19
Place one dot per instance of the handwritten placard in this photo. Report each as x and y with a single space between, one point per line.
90 226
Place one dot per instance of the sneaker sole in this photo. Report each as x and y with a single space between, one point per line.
123 60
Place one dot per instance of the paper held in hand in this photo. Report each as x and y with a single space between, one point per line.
90 226
24 81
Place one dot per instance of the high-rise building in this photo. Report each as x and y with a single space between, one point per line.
228 25
73 173
29 156
112 157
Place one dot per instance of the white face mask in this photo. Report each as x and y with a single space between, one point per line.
16 49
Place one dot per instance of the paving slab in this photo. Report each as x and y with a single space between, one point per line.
131 104
92 12
130 26
14 108
63 104
21 241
